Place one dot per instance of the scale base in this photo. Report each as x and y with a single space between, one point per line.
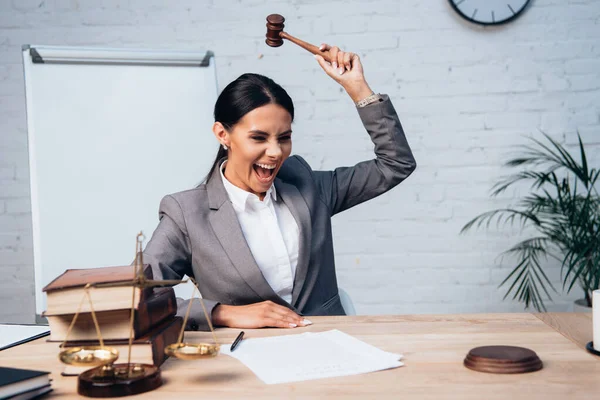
117 380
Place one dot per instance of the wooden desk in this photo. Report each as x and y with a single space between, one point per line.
576 327
433 347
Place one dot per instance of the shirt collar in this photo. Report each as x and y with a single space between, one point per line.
239 197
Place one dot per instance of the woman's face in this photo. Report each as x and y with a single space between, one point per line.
258 145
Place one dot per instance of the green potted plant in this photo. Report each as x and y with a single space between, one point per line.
563 208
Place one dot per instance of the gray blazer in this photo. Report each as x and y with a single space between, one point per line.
199 234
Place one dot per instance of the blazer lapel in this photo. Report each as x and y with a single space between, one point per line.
299 209
227 228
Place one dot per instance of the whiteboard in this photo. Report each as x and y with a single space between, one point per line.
110 132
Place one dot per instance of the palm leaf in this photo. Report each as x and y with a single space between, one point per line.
565 159
508 214
584 164
538 178
528 274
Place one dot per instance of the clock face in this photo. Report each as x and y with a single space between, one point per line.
489 12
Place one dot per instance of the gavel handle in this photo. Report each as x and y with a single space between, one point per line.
307 46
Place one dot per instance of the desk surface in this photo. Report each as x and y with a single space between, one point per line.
433 346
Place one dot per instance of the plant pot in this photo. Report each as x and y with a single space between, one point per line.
581 306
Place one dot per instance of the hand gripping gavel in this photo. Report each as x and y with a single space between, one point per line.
275 36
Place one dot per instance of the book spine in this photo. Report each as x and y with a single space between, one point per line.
165 338
161 305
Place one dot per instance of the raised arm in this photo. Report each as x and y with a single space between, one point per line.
346 187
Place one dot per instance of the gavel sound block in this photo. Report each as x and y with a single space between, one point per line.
275 36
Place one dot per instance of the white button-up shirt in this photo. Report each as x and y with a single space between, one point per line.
271 233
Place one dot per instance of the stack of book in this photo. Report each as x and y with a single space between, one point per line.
23 384
154 324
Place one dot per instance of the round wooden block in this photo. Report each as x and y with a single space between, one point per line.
116 381
502 360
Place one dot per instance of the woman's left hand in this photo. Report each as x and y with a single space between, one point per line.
347 70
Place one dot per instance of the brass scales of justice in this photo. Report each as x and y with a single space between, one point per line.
108 379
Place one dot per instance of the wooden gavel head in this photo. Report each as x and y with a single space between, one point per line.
274 28
275 36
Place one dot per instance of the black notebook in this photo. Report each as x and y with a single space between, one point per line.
15 334
14 381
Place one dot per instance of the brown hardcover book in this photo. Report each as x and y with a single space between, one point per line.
148 349
64 294
114 324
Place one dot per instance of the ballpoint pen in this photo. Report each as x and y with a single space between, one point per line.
237 341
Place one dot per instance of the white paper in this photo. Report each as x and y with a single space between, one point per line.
307 356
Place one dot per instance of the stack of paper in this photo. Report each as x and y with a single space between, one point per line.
306 356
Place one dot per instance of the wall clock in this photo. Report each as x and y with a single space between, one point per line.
489 12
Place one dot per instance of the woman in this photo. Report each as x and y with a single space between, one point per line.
257 234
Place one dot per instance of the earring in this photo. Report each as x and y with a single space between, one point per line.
224 147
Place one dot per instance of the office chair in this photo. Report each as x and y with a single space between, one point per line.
346 302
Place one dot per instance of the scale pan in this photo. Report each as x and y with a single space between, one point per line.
88 356
192 351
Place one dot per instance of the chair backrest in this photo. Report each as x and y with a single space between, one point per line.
346 302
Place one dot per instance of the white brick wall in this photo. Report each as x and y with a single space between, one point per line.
465 94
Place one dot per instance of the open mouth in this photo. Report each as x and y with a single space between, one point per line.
264 172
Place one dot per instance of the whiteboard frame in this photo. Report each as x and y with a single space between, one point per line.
35 54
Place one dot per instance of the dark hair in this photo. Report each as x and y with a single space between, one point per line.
243 95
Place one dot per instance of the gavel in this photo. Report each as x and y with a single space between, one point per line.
275 36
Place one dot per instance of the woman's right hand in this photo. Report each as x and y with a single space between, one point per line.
257 315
